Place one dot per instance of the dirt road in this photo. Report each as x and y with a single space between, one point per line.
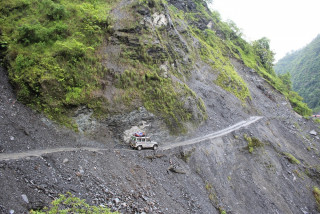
220 133
38 153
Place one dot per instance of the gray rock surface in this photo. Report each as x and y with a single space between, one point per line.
215 173
25 198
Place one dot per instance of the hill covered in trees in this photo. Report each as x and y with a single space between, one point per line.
304 67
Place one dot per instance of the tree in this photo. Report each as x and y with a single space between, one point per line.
286 79
236 30
262 49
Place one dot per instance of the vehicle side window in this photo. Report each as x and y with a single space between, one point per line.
143 140
148 140
138 139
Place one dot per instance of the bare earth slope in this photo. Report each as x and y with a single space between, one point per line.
198 178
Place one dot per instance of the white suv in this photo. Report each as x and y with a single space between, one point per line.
142 142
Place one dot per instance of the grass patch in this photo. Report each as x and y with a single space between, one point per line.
222 211
213 197
212 194
252 143
70 204
316 194
291 158
317 120
208 186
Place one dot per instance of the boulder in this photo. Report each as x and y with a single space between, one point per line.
25 198
313 132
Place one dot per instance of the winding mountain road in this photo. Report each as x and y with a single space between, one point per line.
39 153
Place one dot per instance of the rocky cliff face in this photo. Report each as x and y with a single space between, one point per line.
192 83
158 60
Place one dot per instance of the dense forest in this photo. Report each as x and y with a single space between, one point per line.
304 68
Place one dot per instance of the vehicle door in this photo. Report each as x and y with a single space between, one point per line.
138 141
149 143
143 142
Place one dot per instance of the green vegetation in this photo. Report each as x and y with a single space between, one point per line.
162 96
259 57
316 193
50 51
304 68
70 204
212 194
208 186
213 197
215 51
222 211
291 158
252 142
145 82
225 41
312 171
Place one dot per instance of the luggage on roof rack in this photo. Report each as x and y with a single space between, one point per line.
140 134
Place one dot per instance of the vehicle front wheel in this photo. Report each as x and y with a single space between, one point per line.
155 147
139 148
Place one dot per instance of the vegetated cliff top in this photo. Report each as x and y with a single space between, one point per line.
61 55
304 67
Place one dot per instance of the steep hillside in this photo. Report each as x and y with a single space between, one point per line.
66 57
304 67
230 140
